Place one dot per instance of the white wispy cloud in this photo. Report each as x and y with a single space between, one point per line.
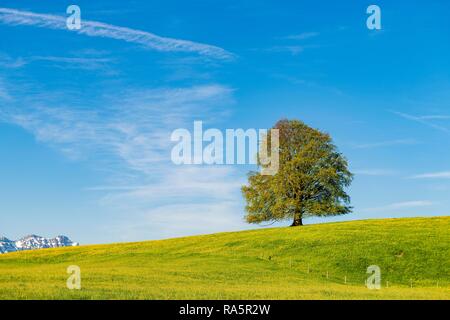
401 205
388 143
98 29
84 63
433 175
8 62
425 120
127 135
374 172
124 132
435 117
137 134
183 220
293 50
181 184
4 92
302 36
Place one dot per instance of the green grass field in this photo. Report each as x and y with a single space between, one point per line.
277 263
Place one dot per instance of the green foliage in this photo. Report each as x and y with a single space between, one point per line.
311 179
276 263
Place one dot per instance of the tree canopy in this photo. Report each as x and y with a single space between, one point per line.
310 181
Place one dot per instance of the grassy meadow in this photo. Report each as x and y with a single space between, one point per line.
323 261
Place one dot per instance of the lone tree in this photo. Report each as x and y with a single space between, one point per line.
310 181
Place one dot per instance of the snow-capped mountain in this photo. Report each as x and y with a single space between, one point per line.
7 245
32 242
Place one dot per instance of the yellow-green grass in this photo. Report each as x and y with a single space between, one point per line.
279 263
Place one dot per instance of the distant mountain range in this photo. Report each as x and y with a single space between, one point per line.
33 242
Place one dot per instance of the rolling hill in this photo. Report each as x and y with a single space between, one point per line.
323 261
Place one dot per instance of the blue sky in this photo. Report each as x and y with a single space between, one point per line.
86 117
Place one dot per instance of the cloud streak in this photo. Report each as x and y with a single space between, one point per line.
425 120
433 175
10 63
382 144
4 93
98 29
91 63
302 36
401 205
374 172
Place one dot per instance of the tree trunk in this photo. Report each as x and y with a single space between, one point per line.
297 221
